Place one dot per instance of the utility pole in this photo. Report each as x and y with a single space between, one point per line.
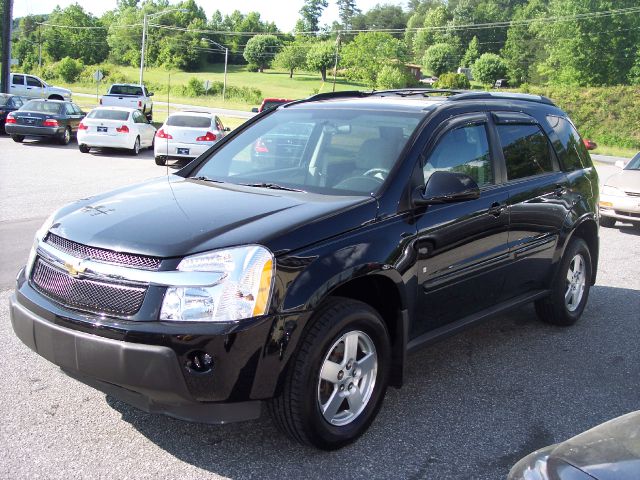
144 38
7 20
335 66
39 49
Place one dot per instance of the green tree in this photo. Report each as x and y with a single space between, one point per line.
311 12
488 68
321 56
88 44
523 48
453 80
369 52
441 58
596 50
381 17
292 57
472 53
261 50
634 73
69 69
347 9
433 31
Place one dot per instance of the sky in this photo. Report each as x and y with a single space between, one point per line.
283 13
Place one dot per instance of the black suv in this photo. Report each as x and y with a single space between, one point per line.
403 216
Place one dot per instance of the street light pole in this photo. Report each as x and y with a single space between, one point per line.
144 38
226 61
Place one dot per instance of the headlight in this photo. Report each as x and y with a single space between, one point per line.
612 191
40 234
243 291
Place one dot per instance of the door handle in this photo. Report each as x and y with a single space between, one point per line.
496 209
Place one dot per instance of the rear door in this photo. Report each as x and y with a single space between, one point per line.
17 85
539 201
462 247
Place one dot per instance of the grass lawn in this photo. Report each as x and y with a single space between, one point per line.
272 83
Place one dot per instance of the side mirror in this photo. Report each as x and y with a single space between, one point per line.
150 94
446 187
619 163
254 110
226 129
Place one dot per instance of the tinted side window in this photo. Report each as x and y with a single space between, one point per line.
526 150
69 109
33 82
462 150
17 80
572 152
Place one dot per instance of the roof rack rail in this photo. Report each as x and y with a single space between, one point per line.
330 95
471 95
407 92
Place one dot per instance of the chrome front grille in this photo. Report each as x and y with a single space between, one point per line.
86 294
103 255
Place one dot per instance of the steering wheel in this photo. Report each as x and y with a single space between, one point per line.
378 173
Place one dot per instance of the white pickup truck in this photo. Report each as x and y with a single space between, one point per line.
129 95
31 86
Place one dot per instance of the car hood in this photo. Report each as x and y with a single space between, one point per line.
65 92
173 216
606 452
627 180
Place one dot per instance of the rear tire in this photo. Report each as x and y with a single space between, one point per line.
66 137
607 222
136 147
570 288
17 138
84 148
336 382
161 161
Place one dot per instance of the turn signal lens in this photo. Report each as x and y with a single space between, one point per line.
606 204
162 134
50 122
10 119
123 129
209 137
82 126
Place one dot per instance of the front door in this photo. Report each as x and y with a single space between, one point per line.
462 247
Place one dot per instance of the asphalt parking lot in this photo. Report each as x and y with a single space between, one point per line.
472 404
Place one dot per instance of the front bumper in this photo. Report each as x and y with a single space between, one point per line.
145 376
626 209
33 131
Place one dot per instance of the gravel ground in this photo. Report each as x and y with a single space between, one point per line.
472 404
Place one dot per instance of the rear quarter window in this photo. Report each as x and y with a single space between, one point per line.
570 148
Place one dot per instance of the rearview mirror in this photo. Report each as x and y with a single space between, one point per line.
226 129
446 187
150 94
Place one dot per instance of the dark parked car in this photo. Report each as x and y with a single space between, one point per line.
269 103
8 103
609 451
404 218
45 118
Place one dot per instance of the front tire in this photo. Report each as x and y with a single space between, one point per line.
338 378
570 288
136 147
607 222
17 138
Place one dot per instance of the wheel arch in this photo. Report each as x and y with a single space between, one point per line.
586 228
55 96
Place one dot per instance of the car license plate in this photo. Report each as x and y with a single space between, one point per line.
30 121
102 129
183 151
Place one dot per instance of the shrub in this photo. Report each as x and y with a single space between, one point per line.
392 77
488 68
453 80
440 58
69 69
252 67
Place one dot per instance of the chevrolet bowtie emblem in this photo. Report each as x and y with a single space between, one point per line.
74 269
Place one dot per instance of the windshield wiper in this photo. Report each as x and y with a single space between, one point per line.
205 179
273 186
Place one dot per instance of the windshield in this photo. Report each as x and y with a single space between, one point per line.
190 121
125 90
332 151
109 114
42 106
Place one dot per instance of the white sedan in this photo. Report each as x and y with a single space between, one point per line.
187 135
115 127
